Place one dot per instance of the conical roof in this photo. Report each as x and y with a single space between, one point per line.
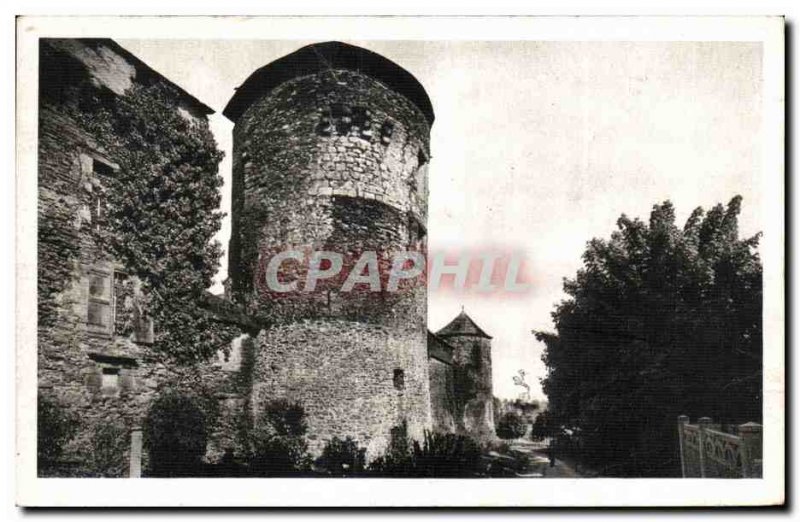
463 325
317 57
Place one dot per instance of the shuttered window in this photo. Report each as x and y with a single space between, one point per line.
100 317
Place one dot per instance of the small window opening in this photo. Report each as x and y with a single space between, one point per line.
98 205
110 378
387 129
342 118
399 379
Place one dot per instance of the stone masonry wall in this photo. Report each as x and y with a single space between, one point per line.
72 358
335 161
337 133
472 372
441 384
107 377
345 376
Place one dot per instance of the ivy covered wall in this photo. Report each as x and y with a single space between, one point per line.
128 206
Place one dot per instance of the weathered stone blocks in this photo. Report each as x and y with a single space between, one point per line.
333 159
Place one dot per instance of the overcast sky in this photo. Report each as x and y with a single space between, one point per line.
538 147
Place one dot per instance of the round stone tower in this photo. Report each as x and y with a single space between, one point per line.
472 377
330 153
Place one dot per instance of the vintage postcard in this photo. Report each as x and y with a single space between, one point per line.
288 261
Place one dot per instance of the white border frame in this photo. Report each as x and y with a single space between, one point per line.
417 492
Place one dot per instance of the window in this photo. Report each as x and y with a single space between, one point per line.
110 380
344 119
399 379
387 129
361 123
100 316
123 320
98 201
110 303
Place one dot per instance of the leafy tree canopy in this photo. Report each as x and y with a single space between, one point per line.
660 321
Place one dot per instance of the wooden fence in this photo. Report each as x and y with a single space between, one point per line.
709 452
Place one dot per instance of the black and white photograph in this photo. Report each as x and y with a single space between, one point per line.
396 253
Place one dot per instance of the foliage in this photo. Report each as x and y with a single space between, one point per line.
660 321
55 427
278 442
542 427
397 460
342 457
162 210
439 455
176 431
511 426
446 455
109 441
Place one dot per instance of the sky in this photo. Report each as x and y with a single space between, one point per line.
538 147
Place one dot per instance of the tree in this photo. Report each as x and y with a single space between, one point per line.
279 447
511 426
56 426
342 457
660 321
176 431
519 380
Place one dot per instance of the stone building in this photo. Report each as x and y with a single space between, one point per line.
331 148
94 335
472 376
442 386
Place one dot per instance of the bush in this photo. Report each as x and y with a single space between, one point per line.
342 457
397 461
542 428
107 453
511 426
55 426
446 455
439 455
278 442
286 419
175 434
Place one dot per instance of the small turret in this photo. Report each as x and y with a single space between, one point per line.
472 375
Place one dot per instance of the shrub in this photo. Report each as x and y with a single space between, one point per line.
511 426
397 461
543 427
278 442
175 434
55 427
109 442
446 455
342 457
439 455
284 418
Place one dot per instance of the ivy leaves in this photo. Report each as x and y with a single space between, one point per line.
163 211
